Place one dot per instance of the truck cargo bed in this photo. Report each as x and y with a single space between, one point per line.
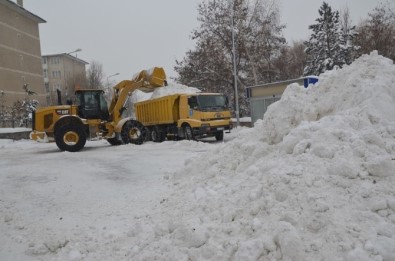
158 111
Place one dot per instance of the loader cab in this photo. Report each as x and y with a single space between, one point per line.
91 104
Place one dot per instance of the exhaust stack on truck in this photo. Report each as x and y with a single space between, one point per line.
185 116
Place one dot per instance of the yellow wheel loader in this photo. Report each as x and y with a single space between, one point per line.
90 118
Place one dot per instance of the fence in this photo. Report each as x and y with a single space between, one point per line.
15 123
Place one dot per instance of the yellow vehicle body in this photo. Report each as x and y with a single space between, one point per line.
71 125
177 116
158 111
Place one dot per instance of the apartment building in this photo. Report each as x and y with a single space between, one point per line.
63 72
20 54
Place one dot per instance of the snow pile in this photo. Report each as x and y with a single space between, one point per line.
313 181
172 88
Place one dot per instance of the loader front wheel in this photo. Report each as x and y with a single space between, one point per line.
70 138
132 132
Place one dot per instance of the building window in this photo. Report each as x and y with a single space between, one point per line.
56 74
44 60
46 87
45 74
55 60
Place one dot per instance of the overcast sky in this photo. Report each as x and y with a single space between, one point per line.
126 36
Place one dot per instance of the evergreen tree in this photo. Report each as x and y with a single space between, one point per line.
24 109
348 34
329 47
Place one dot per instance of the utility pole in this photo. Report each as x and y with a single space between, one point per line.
234 69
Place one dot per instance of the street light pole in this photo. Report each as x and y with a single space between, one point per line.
112 76
76 51
234 70
64 71
108 85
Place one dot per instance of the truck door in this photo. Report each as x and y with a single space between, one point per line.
184 107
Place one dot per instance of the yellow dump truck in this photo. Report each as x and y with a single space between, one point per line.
185 116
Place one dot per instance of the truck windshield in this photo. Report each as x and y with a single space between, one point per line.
212 102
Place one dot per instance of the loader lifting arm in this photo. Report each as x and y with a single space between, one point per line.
146 81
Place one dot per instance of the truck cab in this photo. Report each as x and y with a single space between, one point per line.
205 115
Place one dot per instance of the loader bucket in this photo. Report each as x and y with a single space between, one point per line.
153 78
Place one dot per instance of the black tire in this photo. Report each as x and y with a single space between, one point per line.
188 133
219 135
70 137
132 132
147 134
114 141
157 135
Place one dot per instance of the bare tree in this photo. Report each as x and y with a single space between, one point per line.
258 40
79 81
377 32
291 61
95 75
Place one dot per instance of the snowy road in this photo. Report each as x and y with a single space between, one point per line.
48 197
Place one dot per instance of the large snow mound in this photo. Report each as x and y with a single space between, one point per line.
314 180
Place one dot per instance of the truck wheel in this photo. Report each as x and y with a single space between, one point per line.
132 132
147 134
157 134
114 141
188 132
70 138
219 135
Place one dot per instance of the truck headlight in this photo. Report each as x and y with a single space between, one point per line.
205 126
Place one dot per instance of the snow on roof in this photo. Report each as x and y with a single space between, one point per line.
314 179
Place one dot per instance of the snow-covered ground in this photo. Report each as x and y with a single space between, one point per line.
60 205
314 180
